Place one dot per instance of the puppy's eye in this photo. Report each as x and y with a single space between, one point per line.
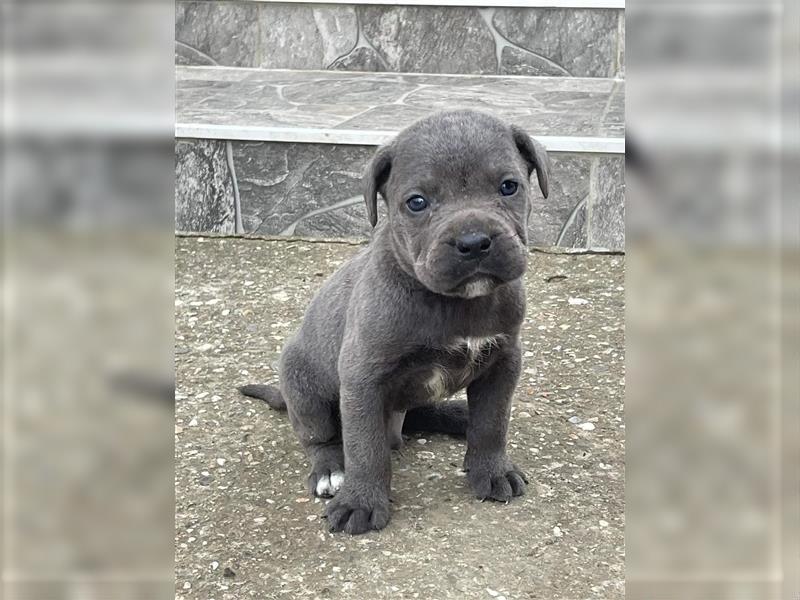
416 204
508 187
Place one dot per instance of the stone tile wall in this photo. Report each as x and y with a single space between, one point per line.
418 39
554 106
315 190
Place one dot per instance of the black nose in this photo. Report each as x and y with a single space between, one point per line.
473 245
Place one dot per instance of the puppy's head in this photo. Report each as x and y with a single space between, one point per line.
457 191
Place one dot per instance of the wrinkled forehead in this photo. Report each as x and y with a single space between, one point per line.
455 151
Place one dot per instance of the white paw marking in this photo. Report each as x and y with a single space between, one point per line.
337 479
328 486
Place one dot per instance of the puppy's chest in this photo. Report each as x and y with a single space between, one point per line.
436 373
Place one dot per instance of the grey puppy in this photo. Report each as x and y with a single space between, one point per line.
432 305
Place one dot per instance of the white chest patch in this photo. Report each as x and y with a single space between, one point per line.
442 383
437 384
476 345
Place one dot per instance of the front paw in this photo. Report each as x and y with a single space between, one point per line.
358 508
495 478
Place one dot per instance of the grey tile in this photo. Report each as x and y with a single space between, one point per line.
353 92
360 58
518 61
607 204
573 233
416 39
204 200
223 32
569 187
429 39
389 102
315 190
581 42
186 55
346 222
303 36
538 110
385 117
338 27
301 188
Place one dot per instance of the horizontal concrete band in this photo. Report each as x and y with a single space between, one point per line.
593 145
599 4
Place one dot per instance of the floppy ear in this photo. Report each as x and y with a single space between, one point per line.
375 179
535 155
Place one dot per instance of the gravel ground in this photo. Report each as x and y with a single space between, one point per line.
245 527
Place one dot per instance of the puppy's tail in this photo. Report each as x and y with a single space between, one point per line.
268 393
441 417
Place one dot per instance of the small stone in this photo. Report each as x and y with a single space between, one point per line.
226 312
301 500
260 520
205 347
557 531
178 429
214 565
603 523
422 441
186 585
492 593
524 415
193 422
574 420
221 462
280 296
577 301
228 572
530 371
586 426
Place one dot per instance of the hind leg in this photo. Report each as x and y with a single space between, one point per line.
314 414
394 429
